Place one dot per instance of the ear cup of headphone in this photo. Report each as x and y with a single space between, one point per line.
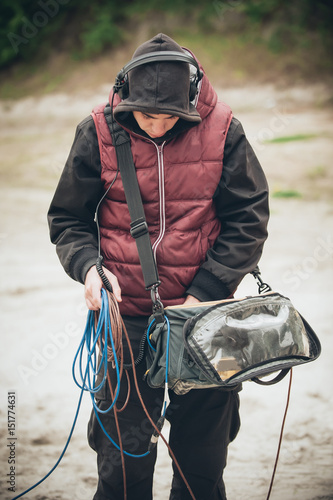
193 90
124 89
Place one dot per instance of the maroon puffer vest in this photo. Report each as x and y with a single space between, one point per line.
177 181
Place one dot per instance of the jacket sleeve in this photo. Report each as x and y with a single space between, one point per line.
72 210
242 206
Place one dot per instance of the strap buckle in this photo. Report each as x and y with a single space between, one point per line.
262 286
158 308
139 227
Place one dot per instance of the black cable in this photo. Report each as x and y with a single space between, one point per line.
104 278
141 353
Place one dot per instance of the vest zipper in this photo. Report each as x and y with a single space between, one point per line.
161 195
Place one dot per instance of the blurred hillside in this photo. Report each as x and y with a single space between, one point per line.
72 45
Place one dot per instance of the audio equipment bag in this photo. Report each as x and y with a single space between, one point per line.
212 344
224 343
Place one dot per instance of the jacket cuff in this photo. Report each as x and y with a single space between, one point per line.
81 262
206 287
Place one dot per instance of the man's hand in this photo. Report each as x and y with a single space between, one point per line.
93 285
191 300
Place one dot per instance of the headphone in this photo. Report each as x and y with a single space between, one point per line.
121 83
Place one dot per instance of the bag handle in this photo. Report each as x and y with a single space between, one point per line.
274 380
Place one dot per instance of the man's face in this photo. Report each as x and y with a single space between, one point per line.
155 125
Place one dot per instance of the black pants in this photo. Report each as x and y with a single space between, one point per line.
202 424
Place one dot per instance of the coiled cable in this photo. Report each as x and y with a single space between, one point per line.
88 363
95 334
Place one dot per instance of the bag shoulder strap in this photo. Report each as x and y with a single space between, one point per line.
139 227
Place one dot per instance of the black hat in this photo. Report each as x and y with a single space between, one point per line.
161 87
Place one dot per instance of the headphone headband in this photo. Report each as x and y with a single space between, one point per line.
151 57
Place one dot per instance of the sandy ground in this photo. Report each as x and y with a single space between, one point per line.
43 312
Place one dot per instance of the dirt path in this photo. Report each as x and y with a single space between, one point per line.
43 312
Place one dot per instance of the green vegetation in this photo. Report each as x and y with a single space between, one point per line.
42 42
287 193
31 28
318 172
290 138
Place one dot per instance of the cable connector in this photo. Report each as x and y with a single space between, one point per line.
156 435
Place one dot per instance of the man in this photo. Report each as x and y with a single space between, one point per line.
206 203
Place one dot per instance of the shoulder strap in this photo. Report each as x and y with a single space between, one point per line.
139 227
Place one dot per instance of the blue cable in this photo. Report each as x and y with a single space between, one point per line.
104 324
160 423
148 339
164 408
167 362
89 341
62 453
